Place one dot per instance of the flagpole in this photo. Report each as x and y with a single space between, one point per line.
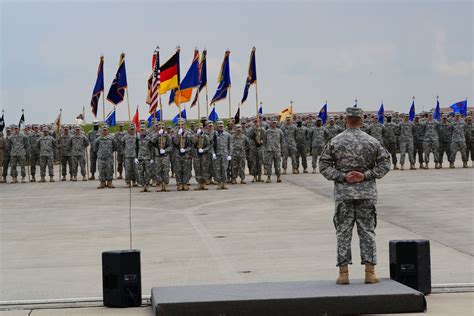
230 107
103 92
161 109
128 104
207 104
199 106
256 100
178 49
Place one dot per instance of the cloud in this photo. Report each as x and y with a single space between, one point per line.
458 68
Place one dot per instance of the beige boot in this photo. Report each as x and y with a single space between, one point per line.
164 188
278 178
23 180
395 167
110 185
199 187
128 184
284 171
234 181
254 179
42 179
269 179
305 171
144 189
295 171
180 187
220 185
451 165
63 178
84 178
223 186
92 177
51 178
185 187
343 277
3 180
464 164
412 166
14 180
259 178
101 185
370 276
33 179
242 181
314 170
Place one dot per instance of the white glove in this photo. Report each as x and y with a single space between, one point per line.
160 131
182 150
199 131
229 158
200 150
180 131
151 161
214 156
162 151
136 161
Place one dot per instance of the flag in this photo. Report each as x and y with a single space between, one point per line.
154 116
22 120
110 118
323 113
412 112
57 124
183 116
286 112
119 84
213 117
154 82
98 88
260 109
136 120
460 107
190 81
381 114
237 116
202 76
251 77
169 74
223 80
2 123
437 112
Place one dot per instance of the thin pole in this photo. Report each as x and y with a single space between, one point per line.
103 107
207 104
130 214
128 104
256 101
230 107
199 106
161 108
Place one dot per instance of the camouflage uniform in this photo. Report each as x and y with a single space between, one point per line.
256 150
129 149
289 145
470 140
406 143
202 159
318 137
78 144
302 146
65 154
240 144
390 138
92 136
6 158
183 160
211 172
162 160
444 133
18 144
376 131
46 146
418 135
222 143
104 147
458 140
273 142
3 145
34 154
146 153
120 156
430 141
355 202
333 130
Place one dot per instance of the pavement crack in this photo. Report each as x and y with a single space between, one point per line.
31 311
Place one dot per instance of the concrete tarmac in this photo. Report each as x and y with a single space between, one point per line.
52 234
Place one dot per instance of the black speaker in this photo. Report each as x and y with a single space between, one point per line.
410 264
121 278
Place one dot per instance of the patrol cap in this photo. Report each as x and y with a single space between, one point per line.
45 129
35 125
445 116
220 123
121 124
319 119
96 123
66 127
105 127
132 126
238 126
354 112
273 120
77 127
15 126
331 118
458 114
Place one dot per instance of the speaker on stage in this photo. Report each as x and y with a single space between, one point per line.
410 264
121 278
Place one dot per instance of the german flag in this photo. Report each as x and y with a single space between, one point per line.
286 112
169 74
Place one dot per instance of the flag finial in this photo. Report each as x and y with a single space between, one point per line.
413 97
178 48
437 97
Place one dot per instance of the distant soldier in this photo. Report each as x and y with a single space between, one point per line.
171 134
318 136
19 147
65 153
273 142
129 149
256 151
406 142
34 153
104 147
6 155
222 154
46 146
470 139
289 145
92 136
458 141
145 156
301 146
430 140
390 138
78 144
354 160
240 144
418 136
201 161
3 145
445 132
120 157
209 131
376 129
334 129
183 144
164 145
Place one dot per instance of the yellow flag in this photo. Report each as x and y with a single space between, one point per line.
286 112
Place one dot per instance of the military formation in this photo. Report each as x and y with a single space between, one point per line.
219 155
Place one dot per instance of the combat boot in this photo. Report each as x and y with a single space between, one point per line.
436 165
223 187
144 189
199 187
343 277
23 180
63 178
234 181
426 166
295 171
305 171
180 187
92 177
242 181
412 166
42 179
134 183
14 180
119 176
219 186
451 165
402 167
101 185
128 184
164 188
33 179
3 180
314 170
259 178
440 165
110 185
51 179
284 171
254 179
83 178
278 178
370 276
395 167
269 179
464 164
185 187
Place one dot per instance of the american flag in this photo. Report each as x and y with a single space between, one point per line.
154 82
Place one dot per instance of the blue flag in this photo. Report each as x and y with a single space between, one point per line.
323 113
412 113
2 123
110 119
260 110
183 116
223 80
152 116
119 84
437 112
460 107
381 114
251 76
213 117
98 88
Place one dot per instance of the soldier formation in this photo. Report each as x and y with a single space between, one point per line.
218 154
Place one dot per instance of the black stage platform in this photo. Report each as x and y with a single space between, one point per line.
287 298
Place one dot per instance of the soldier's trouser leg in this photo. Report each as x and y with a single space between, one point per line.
34 160
458 146
93 161
187 172
13 163
418 151
302 152
6 163
144 168
165 169
427 148
75 164
106 169
241 168
221 168
259 161
411 153
82 163
392 149
443 148
22 160
66 161
43 161
120 163
268 163
277 162
285 153
471 149
294 162
130 170
49 162
179 169
362 213
403 150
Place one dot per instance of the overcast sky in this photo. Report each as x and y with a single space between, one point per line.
307 52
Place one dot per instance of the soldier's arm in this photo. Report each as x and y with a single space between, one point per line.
230 145
208 144
382 164
327 165
85 142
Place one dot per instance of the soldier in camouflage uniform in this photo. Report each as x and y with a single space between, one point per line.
418 135
104 147
376 129
209 131
3 145
19 147
6 156
201 161
129 149
354 160
65 153
92 136
430 140
34 154
222 146
120 157
78 144
318 136
444 132
46 146
183 143
256 150
164 146
406 142
171 133
334 129
390 138
145 156
458 141
273 141
289 145
301 146
470 139
240 145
